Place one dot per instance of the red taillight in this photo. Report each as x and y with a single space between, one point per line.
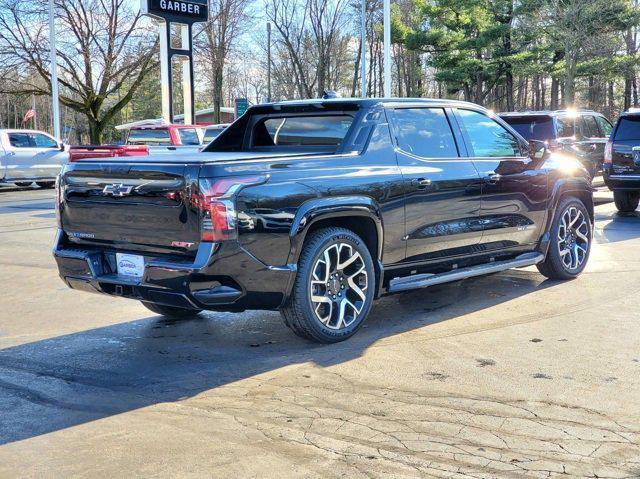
59 198
216 201
608 153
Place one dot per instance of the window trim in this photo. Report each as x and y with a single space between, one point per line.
460 148
523 147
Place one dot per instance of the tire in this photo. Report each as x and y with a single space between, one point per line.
570 244
46 184
23 184
345 280
626 201
172 312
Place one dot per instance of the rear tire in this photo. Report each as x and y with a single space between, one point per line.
23 184
172 312
570 243
46 184
334 287
626 201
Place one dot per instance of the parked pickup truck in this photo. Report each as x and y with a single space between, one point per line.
144 140
316 208
29 155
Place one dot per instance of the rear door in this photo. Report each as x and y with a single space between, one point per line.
442 189
21 155
514 188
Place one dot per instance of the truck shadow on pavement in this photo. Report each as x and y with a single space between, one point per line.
620 226
65 381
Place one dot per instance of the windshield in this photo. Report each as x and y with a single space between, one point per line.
532 127
628 129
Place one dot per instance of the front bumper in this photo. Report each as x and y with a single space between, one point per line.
221 277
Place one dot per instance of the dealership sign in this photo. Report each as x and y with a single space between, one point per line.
185 11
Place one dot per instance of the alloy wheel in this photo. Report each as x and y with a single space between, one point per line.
573 238
338 286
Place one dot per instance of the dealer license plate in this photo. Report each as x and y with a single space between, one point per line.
130 264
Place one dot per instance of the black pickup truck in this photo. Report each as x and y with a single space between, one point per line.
316 208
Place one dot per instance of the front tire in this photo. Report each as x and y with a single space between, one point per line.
46 184
570 243
172 312
626 201
23 184
334 287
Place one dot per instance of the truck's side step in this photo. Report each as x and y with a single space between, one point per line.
424 280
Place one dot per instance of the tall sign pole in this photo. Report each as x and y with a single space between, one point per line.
268 61
363 49
55 103
182 14
387 48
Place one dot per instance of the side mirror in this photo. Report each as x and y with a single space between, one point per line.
62 146
538 149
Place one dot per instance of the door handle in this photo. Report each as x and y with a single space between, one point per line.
492 179
421 183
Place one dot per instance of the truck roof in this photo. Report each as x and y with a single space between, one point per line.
545 113
355 103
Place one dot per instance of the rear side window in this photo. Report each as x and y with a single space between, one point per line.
327 130
590 127
605 126
425 132
19 140
628 128
149 137
566 127
488 138
532 127
189 136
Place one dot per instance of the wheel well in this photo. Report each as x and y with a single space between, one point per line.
585 196
361 225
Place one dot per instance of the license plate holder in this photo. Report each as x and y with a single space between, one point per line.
131 265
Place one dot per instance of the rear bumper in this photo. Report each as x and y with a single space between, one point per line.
622 181
222 277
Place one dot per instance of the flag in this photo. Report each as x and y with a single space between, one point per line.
28 115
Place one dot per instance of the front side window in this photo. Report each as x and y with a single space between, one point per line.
488 138
19 140
151 137
605 126
425 132
43 141
189 136
327 130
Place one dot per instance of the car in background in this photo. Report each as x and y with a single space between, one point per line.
580 133
211 132
622 162
156 139
28 156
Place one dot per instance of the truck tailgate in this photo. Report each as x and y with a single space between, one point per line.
143 207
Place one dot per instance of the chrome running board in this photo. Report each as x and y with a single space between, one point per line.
424 280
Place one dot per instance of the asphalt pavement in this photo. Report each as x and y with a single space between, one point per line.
508 375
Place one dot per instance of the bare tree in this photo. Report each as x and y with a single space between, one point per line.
102 50
228 20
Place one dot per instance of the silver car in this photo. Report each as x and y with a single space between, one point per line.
29 155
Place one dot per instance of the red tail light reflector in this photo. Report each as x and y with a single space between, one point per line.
608 153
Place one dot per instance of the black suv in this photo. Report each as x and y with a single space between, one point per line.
316 208
580 133
622 162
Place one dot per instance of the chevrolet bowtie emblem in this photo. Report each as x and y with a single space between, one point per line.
117 189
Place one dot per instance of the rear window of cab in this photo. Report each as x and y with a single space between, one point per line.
297 131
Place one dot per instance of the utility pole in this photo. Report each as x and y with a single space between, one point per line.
268 61
387 48
363 49
55 110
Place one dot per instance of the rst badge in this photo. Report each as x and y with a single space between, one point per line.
117 189
636 155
